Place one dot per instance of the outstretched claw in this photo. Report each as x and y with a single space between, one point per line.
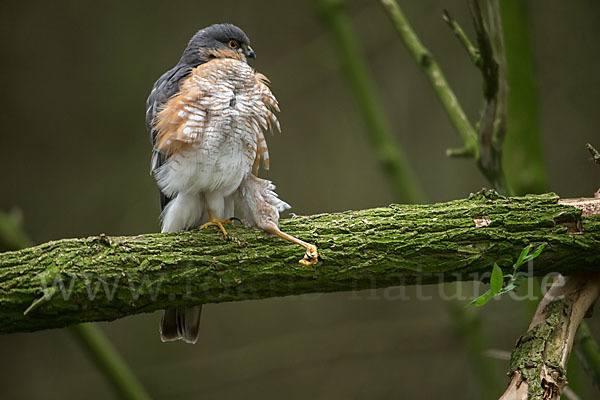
261 207
219 223
311 256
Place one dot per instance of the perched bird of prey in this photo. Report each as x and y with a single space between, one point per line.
207 117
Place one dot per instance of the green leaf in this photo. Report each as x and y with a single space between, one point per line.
497 280
481 300
536 253
508 288
521 260
484 298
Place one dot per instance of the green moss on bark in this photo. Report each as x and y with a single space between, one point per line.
541 347
111 277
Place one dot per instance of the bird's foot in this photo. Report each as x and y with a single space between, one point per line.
220 223
311 256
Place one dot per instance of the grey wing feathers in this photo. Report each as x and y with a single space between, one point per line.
181 322
165 87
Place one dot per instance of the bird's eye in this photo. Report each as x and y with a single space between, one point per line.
233 44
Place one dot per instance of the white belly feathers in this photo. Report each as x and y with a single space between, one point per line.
217 164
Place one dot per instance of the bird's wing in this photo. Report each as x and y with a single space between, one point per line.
217 90
270 102
165 87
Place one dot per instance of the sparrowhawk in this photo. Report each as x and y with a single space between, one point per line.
207 117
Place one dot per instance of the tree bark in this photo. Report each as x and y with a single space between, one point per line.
538 365
104 278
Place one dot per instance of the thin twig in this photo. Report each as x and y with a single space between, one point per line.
463 39
489 65
433 72
595 154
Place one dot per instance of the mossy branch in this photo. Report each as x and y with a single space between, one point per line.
105 278
92 340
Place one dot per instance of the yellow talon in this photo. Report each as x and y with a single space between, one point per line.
219 223
311 256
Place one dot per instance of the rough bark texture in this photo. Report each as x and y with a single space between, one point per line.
538 365
104 278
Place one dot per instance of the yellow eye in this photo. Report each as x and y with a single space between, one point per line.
233 44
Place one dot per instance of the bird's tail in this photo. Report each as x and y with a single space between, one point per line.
181 323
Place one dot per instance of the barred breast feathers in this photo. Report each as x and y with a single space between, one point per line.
215 92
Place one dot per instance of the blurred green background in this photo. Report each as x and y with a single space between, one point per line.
75 158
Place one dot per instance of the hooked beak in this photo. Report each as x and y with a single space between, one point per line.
250 53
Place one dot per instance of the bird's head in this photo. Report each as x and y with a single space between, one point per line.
218 41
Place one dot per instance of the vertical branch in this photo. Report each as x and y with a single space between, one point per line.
522 156
389 153
588 352
523 160
492 125
489 66
587 347
485 145
497 34
490 58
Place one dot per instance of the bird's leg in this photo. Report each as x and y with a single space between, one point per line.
310 257
219 223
